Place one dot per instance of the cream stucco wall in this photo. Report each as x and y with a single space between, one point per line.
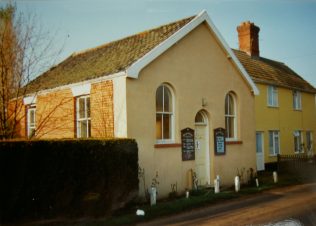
284 118
196 67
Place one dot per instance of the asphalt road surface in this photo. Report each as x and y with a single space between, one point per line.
294 205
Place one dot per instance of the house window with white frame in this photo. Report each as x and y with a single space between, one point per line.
309 141
273 96
230 116
31 121
164 114
298 141
274 142
297 100
83 121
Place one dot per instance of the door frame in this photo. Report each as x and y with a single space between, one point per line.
207 144
262 148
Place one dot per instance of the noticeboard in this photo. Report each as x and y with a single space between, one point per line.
188 145
219 141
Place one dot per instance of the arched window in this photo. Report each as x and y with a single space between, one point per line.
200 119
164 114
230 116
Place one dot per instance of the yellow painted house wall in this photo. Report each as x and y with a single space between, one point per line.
284 118
196 67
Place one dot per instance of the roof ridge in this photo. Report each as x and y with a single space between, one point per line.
260 57
80 52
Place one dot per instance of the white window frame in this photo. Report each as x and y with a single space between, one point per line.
31 126
297 100
171 113
298 141
85 118
233 116
275 134
273 96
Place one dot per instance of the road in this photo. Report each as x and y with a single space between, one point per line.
295 203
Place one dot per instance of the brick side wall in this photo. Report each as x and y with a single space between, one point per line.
102 114
55 115
19 115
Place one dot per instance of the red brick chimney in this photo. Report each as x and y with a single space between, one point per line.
248 35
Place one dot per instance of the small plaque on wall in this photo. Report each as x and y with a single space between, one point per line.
187 143
219 141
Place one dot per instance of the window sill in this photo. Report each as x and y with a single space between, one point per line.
272 156
171 145
229 142
270 106
300 110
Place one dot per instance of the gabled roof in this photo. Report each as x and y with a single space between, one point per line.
106 59
129 55
266 71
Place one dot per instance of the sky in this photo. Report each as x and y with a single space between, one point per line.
287 27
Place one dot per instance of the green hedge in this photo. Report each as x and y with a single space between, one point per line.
49 178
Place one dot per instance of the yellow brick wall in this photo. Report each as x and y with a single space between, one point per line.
102 115
18 107
55 115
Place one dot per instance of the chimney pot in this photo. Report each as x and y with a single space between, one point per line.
248 36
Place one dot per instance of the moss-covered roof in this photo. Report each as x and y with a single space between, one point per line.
105 60
271 72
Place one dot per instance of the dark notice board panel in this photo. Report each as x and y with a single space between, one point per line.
219 141
188 145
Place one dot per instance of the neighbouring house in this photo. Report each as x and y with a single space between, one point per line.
157 86
286 106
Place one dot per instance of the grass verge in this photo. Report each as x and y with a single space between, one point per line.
204 197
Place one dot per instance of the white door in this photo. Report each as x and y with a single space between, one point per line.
202 157
260 151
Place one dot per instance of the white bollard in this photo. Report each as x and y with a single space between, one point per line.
219 180
140 213
275 177
187 194
237 184
216 186
153 196
257 182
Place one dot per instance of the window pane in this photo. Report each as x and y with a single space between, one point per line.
31 132
88 107
83 129
159 99
231 105
231 127
271 151
227 126
81 108
226 105
276 143
32 116
309 140
166 126
275 96
167 100
158 126
259 142
199 118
